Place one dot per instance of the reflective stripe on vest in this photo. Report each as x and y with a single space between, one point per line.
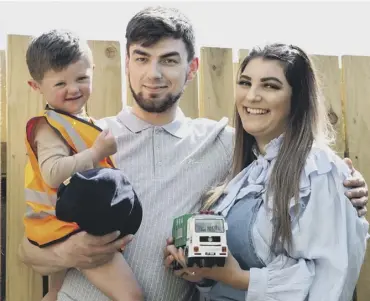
38 211
39 197
76 139
41 225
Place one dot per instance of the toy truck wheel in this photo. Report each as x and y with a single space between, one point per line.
211 262
204 262
220 261
189 261
192 261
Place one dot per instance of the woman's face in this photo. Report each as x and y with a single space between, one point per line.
263 99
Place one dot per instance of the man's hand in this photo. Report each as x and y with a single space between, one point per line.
84 251
358 192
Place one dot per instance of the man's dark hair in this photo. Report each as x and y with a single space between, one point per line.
54 50
152 24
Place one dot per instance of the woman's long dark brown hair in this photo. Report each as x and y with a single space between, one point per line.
307 123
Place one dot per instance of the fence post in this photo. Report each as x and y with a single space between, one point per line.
216 91
356 91
21 282
106 97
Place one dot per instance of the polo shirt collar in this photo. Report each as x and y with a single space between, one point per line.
178 127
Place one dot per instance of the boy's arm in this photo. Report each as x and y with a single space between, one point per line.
55 161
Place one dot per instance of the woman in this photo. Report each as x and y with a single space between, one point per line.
293 235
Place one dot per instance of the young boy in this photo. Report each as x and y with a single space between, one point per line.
62 142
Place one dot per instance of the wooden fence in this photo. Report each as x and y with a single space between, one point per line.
211 94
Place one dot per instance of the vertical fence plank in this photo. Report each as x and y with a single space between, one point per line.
330 82
356 91
3 95
106 98
2 165
3 121
21 282
189 100
242 54
235 73
216 93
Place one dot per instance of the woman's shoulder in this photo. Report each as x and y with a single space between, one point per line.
323 168
322 160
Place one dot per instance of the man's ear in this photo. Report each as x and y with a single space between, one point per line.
34 85
194 65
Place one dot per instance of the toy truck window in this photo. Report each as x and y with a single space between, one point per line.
209 225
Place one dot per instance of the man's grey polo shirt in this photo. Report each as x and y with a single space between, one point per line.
170 167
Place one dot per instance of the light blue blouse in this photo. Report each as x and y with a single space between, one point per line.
329 239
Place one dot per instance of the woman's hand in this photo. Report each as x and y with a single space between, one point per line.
230 274
171 255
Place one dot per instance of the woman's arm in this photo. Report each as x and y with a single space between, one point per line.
329 244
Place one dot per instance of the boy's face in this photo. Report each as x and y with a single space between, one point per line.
158 74
67 90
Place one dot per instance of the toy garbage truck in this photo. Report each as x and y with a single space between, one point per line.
203 237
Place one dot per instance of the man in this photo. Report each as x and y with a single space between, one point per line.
170 160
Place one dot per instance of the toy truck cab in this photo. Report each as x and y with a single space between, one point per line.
203 237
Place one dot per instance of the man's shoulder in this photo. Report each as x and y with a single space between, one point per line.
202 129
197 127
104 120
208 126
110 122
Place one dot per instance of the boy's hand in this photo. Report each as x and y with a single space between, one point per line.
104 146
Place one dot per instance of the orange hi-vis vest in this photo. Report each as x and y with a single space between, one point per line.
41 224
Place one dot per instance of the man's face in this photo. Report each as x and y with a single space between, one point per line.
158 74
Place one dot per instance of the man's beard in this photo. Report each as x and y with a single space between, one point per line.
155 105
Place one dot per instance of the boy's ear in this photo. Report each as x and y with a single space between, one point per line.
34 85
